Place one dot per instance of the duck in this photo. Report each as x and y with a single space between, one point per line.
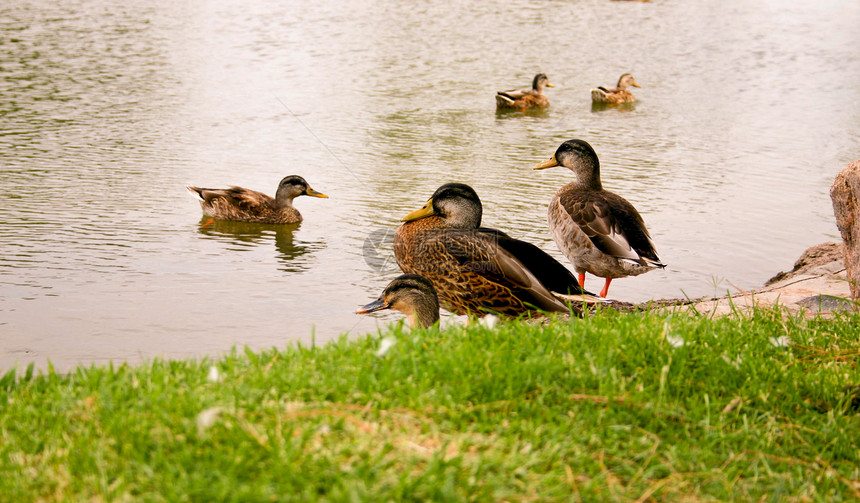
412 295
239 204
525 98
476 270
598 231
617 94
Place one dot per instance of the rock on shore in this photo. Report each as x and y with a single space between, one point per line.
845 193
817 285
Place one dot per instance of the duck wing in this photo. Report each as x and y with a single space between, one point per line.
484 254
549 271
514 94
613 225
239 197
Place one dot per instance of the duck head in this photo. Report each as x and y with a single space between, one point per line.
579 157
455 203
540 81
626 81
293 186
412 295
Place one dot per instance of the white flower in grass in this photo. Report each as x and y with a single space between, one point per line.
453 321
207 418
781 341
386 344
489 321
675 341
213 376
736 363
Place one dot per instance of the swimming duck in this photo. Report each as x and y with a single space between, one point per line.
413 296
597 230
617 94
244 205
476 270
525 98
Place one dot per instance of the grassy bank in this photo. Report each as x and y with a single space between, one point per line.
612 407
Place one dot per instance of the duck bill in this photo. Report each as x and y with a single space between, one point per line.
311 192
548 84
376 305
425 211
549 163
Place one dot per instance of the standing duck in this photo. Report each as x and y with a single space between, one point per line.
519 99
617 94
476 270
413 296
597 230
244 205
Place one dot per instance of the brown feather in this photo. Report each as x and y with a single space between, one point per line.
519 99
598 231
244 205
472 274
615 95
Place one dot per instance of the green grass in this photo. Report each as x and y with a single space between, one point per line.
612 407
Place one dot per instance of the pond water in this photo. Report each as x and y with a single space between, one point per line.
747 111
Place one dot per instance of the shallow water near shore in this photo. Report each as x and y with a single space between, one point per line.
746 114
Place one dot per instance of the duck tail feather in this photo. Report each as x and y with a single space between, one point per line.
196 192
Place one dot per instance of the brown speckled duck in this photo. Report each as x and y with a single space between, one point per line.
244 205
617 94
412 295
598 231
525 98
476 270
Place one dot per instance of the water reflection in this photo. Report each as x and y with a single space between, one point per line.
293 253
107 109
619 108
527 112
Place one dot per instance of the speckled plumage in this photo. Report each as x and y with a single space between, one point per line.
239 204
477 270
615 95
519 99
599 231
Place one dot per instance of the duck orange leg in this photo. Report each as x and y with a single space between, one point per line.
582 280
605 288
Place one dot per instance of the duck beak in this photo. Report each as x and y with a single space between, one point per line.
634 84
376 305
549 163
549 85
311 192
425 211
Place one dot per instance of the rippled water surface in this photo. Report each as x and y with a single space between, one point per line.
747 111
